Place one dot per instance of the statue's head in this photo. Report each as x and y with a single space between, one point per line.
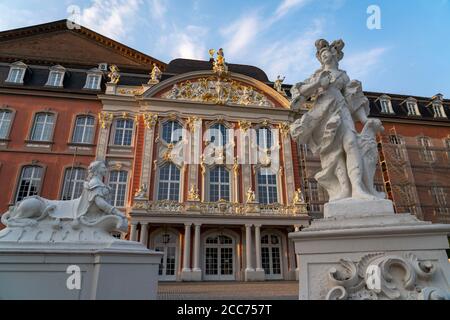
98 168
329 53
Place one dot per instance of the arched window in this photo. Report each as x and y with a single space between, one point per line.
84 130
219 184
73 183
118 183
5 123
169 182
264 138
267 187
43 127
29 182
218 135
172 132
123 132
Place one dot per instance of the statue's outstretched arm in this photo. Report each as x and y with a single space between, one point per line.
103 205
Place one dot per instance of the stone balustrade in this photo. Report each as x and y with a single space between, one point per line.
218 208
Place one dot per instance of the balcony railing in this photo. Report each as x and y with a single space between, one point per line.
219 208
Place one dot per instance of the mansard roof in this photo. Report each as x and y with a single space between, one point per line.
180 66
55 43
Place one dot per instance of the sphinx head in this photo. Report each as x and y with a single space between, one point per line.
97 168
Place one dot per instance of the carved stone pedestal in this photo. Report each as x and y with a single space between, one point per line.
64 263
383 256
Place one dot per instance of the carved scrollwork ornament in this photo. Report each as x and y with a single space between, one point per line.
396 277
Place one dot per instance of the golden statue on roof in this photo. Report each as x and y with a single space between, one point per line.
219 65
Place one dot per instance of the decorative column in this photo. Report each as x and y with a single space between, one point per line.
297 258
186 271
249 270
259 272
194 151
144 234
196 271
133 232
105 119
288 162
150 120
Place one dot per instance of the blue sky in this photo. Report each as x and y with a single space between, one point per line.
410 54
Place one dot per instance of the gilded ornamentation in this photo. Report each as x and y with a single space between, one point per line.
131 91
219 65
278 85
245 125
250 195
284 129
236 167
114 74
191 123
105 119
155 75
218 91
298 197
193 194
150 120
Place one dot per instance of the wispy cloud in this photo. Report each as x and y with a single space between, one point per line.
286 6
241 33
359 65
112 18
292 57
187 43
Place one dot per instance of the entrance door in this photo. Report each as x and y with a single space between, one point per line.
167 244
219 258
271 256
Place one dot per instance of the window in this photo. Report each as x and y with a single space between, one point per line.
219 184
426 154
412 108
5 123
123 132
438 111
440 199
386 106
93 82
447 146
84 130
267 187
397 143
118 183
314 196
73 183
218 135
17 73
43 127
169 182
264 138
30 182
171 132
56 76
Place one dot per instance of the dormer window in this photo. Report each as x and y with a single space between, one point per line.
386 105
412 107
437 106
93 82
17 73
56 76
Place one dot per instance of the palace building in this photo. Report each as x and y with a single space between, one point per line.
199 152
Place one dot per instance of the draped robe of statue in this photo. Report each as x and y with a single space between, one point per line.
328 129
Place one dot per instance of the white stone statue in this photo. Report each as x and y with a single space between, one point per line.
89 218
348 159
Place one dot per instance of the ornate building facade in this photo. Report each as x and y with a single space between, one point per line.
199 152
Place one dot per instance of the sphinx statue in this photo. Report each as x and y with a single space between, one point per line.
89 218
348 158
